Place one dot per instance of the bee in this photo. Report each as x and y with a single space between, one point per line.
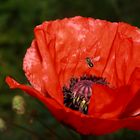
89 62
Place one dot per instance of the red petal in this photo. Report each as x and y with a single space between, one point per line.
39 68
32 66
55 108
113 48
86 124
78 38
108 103
133 108
134 80
124 55
133 123
63 45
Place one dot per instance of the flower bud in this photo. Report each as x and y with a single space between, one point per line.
18 104
3 126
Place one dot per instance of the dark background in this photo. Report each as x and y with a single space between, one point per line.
17 20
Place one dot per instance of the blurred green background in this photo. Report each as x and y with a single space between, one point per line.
17 20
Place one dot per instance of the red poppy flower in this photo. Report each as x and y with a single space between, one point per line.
87 73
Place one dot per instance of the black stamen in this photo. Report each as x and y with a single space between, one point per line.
77 95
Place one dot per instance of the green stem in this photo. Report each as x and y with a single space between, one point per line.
45 126
27 130
69 130
51 130
23 128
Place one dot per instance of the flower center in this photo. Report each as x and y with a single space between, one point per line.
77 94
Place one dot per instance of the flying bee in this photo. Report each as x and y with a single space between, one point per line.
89 62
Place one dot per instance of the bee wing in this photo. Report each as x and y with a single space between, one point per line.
96 59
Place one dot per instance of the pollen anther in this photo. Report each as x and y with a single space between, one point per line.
77 95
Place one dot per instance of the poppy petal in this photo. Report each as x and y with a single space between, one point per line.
134 80
39 68
132 122
33 67
124 56
55 108
108 103
87 124
133 107
112 47
77 38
